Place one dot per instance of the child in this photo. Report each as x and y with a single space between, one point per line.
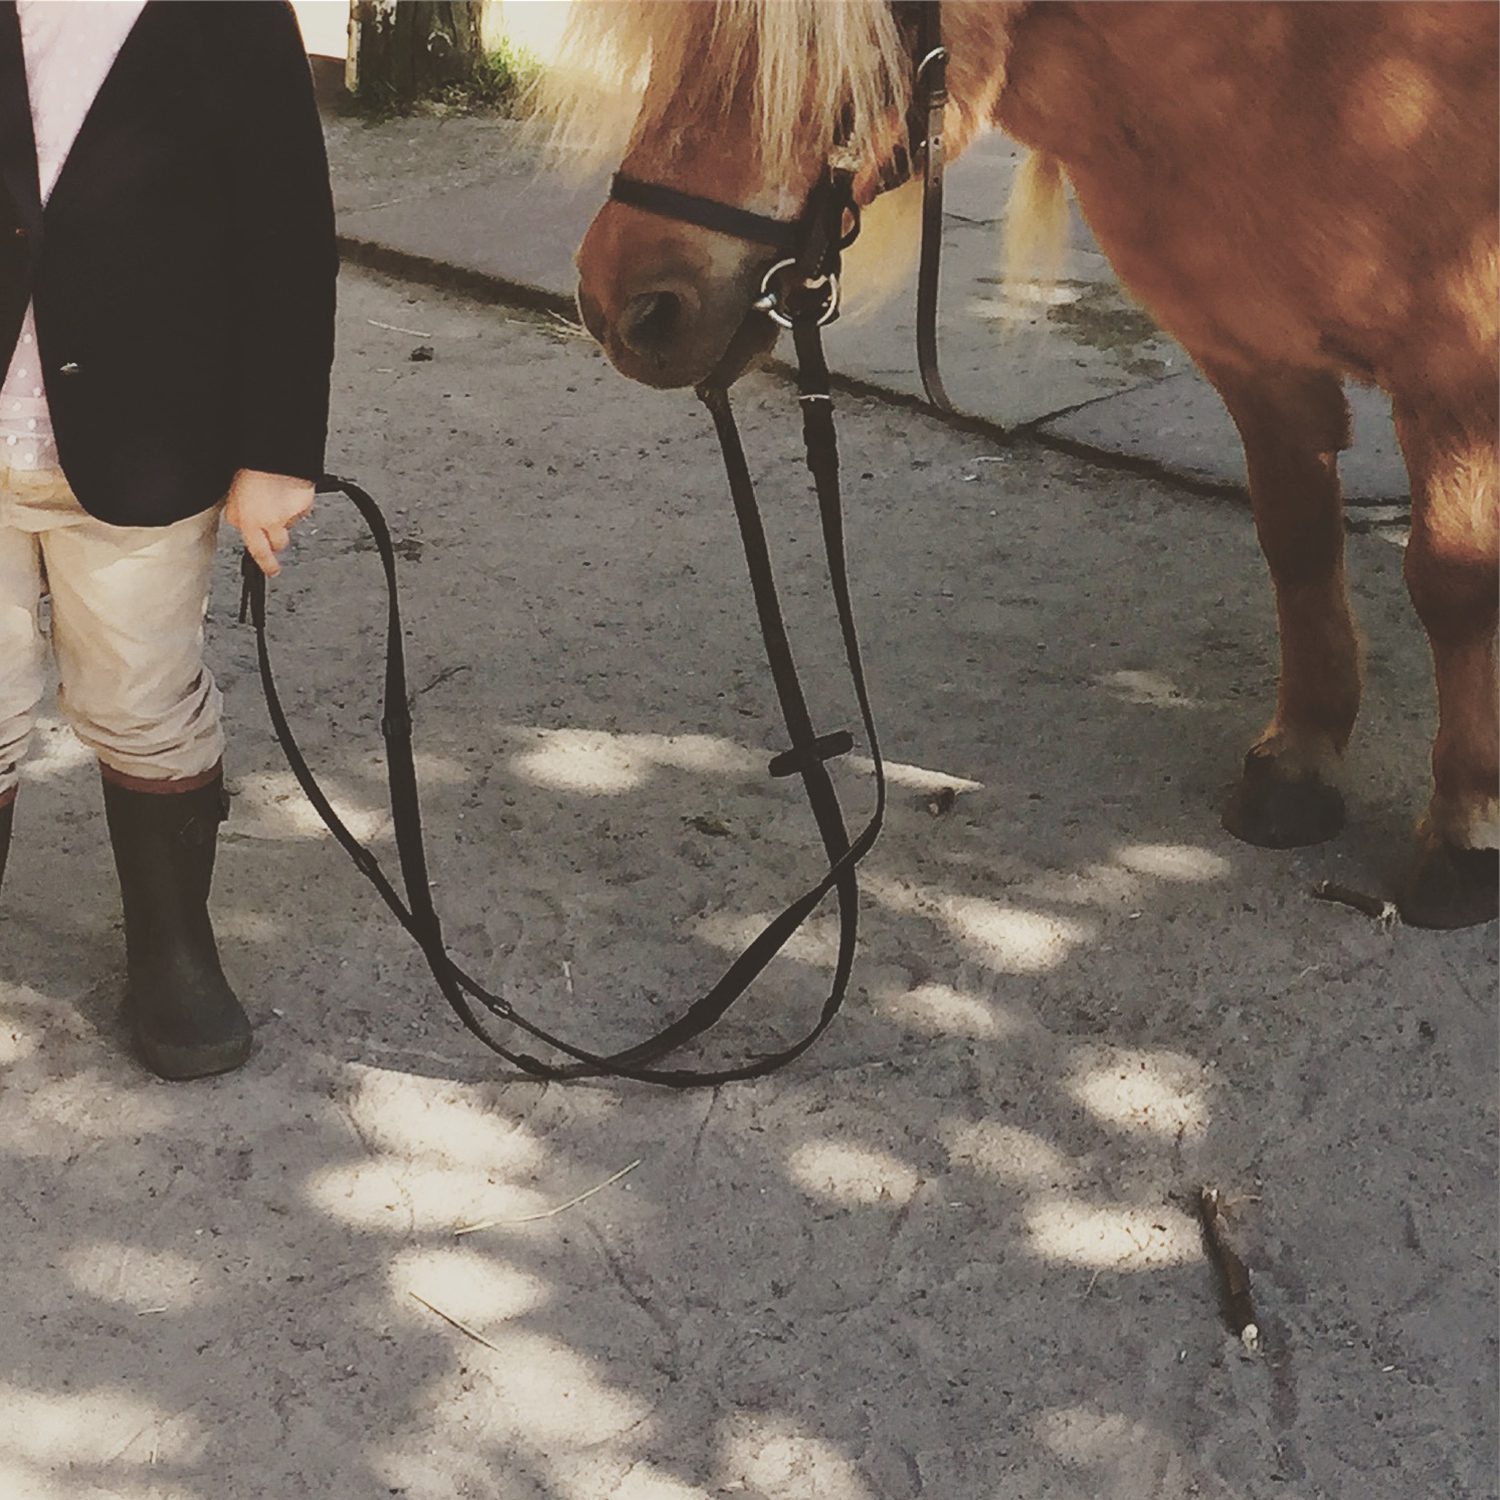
167 268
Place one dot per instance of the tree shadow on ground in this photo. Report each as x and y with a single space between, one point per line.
951 1251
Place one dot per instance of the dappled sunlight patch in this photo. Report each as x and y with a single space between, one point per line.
816 942
849 1173
596 763
773 1454
478 1289
134 1276
1094 885
647 1482
1151 1093
1011 940
530 1404
1116 1238
1150 689
916 778
1136 1457
393 1196
1125 881
270 805
1026 299
1007 1153
548 1391
61 1118
58 1432
943 1011
576 760
17 1041
248 926
706 753
136 1476
55 750
1178 862
433 770
1006 938
399 1113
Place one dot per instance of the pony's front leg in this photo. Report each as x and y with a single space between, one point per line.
1451 574
1294 424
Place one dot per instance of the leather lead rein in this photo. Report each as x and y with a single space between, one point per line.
806 758
803 300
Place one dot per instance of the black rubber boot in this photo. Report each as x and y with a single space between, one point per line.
183 1016
7 821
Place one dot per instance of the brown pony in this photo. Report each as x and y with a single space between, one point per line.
1298 192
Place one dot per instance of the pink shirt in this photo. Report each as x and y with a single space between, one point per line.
70 46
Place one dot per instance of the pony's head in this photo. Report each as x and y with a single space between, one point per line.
743 102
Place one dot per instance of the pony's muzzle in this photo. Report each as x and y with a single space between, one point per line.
653 336
654 325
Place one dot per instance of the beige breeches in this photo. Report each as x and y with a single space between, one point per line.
127 631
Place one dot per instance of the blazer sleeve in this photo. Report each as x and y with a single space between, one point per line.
282 249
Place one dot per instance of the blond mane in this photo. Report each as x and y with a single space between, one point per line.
621 61
806 61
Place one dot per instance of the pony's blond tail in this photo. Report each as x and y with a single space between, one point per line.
1035 235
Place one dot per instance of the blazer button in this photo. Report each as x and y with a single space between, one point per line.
68 369
20 231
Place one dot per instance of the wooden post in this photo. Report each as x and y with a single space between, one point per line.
405 50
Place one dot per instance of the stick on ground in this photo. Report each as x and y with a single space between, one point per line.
549 1213
1234 1279
463 1328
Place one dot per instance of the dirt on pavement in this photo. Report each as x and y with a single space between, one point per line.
951 1253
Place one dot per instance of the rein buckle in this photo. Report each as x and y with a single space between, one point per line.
824 747
772 299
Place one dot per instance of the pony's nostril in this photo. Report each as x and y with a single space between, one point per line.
653 322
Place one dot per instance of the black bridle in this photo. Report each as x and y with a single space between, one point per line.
801 292
806 757
799 240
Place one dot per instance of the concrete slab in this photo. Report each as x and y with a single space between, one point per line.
1181 424
474 229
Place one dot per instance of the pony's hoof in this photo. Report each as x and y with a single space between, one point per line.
1282 814
1450 887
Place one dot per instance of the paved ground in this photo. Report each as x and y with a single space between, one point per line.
950 1254
1082 365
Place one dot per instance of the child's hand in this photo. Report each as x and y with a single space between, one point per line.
263 509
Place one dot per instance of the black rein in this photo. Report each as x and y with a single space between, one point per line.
807 756
803 299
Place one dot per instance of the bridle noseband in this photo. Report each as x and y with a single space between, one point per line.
812 245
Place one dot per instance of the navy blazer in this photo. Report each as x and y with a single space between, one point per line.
183 270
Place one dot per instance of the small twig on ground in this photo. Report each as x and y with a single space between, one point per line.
1234 1279
416 333
463 1328
548 1213
1382 912
446 675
